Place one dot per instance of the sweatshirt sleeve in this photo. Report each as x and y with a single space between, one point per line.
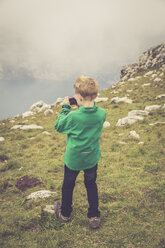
64 122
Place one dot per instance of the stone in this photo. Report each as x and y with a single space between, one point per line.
39 107
154 75
129 91
106 124
46 133
160 96
144 85
59 100
157 80
27 114
115 92
101 99
152 107
131 79
48 112
129 120
122 142
1 139
163 106
148 73
157 123
141 143
49 209
122 99
40 194
24 127
133 113
134 134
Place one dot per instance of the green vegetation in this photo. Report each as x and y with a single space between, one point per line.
131 179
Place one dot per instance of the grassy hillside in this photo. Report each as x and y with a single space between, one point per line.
131 178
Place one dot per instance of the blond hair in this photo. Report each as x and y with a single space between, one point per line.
87 87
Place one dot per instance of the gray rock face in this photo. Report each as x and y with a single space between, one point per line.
155 56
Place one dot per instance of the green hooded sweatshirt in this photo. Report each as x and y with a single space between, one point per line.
83 128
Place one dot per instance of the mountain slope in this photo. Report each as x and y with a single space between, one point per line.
131 175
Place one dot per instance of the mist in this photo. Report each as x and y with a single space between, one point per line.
46 45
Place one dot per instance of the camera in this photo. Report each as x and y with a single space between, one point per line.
72 101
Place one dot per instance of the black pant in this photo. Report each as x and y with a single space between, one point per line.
91 187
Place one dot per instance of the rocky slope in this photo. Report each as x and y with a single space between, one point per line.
150 59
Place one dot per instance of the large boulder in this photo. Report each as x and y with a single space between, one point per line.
39 107
152 107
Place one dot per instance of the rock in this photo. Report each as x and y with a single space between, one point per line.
101 99
122 99
141 143
163 106
160 96
59 100
49 209
122 142
12 121
157 80
133 113
129 91
113 86
121 134
154 75
131 79
161 74
47 133
40 194
129 120
152 107
144 85
27 114
106 124
39 107
148 73
24 127
134 134
48 112
155 56
1 139
157 123
115 92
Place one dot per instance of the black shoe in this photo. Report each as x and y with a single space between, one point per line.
60 217
94 222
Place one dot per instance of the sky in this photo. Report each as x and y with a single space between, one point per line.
46 44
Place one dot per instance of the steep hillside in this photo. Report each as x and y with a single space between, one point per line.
131 173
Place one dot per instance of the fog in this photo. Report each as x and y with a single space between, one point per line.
46 45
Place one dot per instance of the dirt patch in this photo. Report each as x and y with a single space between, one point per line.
26 182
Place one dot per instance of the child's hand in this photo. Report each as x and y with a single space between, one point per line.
66 100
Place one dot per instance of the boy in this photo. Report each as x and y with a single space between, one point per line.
83 128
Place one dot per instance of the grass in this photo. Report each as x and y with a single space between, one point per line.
130 180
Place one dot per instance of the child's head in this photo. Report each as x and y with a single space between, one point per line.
87 87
